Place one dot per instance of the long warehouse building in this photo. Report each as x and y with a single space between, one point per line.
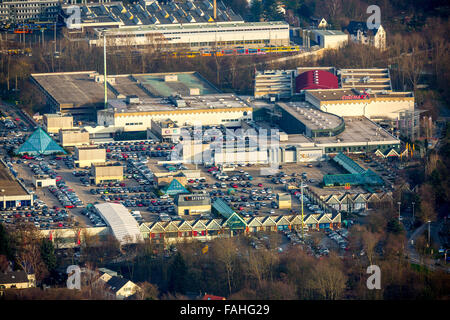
188 24
123 226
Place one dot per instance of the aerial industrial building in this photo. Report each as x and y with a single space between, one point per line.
351 102
53 122
189 24
25 11
73 137
12 192
106 172
122 224
220 109
85 156
82 94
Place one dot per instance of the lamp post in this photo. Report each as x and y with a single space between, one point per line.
429 222
3 198
302 186
414 218
399 203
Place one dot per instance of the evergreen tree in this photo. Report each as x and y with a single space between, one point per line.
256 10
177 275
271 11
6 244
48 254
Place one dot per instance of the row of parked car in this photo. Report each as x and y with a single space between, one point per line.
126 150
93 216
307 202
68 161
222 176
43 218
66 196
338 236
42 168
120 190
144 175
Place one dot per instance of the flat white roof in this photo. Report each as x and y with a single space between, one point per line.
124 227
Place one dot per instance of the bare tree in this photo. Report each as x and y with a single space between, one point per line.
328 280
28 254
261 265
225 253
148 291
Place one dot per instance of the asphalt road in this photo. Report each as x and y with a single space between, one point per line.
415 257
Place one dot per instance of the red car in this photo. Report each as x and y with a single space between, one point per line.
122 184
234 185
70 206
58 158
260 185
60 225
213 169
27 157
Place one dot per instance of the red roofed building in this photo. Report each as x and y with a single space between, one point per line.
316 79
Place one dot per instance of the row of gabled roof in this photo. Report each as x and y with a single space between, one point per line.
358 197
218 224
156 13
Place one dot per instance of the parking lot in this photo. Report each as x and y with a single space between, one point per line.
242 186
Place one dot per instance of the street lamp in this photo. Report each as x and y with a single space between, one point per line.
429 222
3 195
302 186
399 203
414 218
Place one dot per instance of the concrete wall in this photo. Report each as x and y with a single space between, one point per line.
66 238
54 123
107 173
73 138
241 157
190 117
330 41
193 210
373 108
197 37
44 182
87 156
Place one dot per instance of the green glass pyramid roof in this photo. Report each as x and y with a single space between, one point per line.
40 143
174 188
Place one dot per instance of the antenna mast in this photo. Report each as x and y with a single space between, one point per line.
104 68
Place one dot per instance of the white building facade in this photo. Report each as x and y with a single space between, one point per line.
380 107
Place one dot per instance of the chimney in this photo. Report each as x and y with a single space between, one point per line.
215 9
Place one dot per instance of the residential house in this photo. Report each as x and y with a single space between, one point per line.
359 32
121 288
17 279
